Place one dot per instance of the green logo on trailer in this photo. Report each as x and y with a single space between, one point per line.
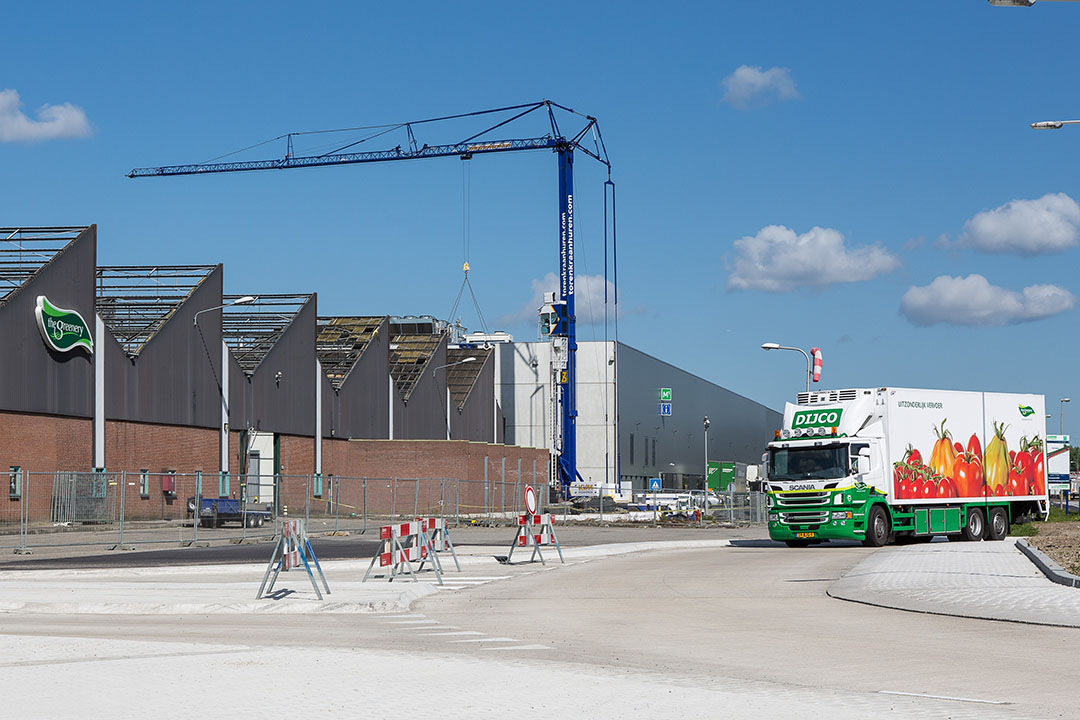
1026 411
63 330
816 418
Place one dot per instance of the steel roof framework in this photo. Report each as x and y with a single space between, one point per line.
251 330
341 341
24 251
136 301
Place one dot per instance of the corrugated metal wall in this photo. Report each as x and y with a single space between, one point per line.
33 378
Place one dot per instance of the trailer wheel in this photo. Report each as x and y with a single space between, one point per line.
250 521
877 528
259 521
998 524
975 527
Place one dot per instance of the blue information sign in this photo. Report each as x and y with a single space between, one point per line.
665 409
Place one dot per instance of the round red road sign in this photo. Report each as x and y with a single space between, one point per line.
530 500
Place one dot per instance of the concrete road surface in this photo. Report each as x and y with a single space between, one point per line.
745 631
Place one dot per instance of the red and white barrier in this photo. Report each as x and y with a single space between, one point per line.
420 540
535 529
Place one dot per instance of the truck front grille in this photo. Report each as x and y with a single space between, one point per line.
804 518
801 499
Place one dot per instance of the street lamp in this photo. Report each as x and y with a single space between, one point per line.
1019 3
1053 124
447 383
246 300
777 346
705 493
1061 416
223 386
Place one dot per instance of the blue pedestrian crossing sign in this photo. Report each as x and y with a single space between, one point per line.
655 484
665 409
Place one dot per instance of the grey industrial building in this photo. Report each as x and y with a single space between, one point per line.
180 377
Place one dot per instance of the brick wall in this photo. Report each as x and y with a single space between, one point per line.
45 444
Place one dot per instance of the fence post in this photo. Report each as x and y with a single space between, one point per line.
416 498
122 486
517 490
365 506
307 500
486 486
24 512
198 506
337 501
457 502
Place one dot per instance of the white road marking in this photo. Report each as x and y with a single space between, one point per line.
404 617
459 632
486 639
519 647
412 622
943 697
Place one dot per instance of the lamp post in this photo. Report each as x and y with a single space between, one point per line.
1061 416
446 382
223 385
705 494
777 346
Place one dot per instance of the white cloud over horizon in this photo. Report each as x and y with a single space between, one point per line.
54 122
1045 225
973 302
752 86
779 260
588 300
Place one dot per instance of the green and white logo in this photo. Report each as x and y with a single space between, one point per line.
816 418
63 330
1025 410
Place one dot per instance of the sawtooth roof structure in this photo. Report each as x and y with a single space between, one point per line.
252 329
340 343
461 376
24 251
409 355
135 301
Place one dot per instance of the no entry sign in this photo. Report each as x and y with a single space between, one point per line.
530 500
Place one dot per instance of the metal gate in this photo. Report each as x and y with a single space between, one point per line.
81 497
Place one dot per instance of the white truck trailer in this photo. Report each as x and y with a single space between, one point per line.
887 464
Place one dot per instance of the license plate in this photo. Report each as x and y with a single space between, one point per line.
804 535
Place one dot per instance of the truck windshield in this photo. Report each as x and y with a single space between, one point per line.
807 463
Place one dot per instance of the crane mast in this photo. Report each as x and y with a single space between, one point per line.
478 143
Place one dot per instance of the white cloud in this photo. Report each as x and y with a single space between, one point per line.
53 121
1025 227
588 300
778 260
974 302
751 86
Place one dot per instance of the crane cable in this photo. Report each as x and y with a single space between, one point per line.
466 229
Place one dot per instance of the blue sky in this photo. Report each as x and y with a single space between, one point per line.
898 129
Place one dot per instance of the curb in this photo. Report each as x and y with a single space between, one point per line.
1051 569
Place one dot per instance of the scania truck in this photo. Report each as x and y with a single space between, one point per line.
894 464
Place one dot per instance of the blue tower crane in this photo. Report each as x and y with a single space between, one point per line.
477 143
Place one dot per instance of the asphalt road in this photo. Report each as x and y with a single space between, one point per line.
152 550
746 631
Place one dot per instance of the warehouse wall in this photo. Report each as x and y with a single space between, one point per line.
34 378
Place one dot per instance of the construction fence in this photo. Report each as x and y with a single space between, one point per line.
119 509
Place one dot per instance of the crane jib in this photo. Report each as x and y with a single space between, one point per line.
397 153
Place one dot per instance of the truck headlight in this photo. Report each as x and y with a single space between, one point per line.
841 516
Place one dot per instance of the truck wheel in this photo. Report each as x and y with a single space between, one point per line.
975 527
259 521
250 521
877 528
998 526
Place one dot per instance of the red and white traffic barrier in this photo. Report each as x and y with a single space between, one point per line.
535 529
420 540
